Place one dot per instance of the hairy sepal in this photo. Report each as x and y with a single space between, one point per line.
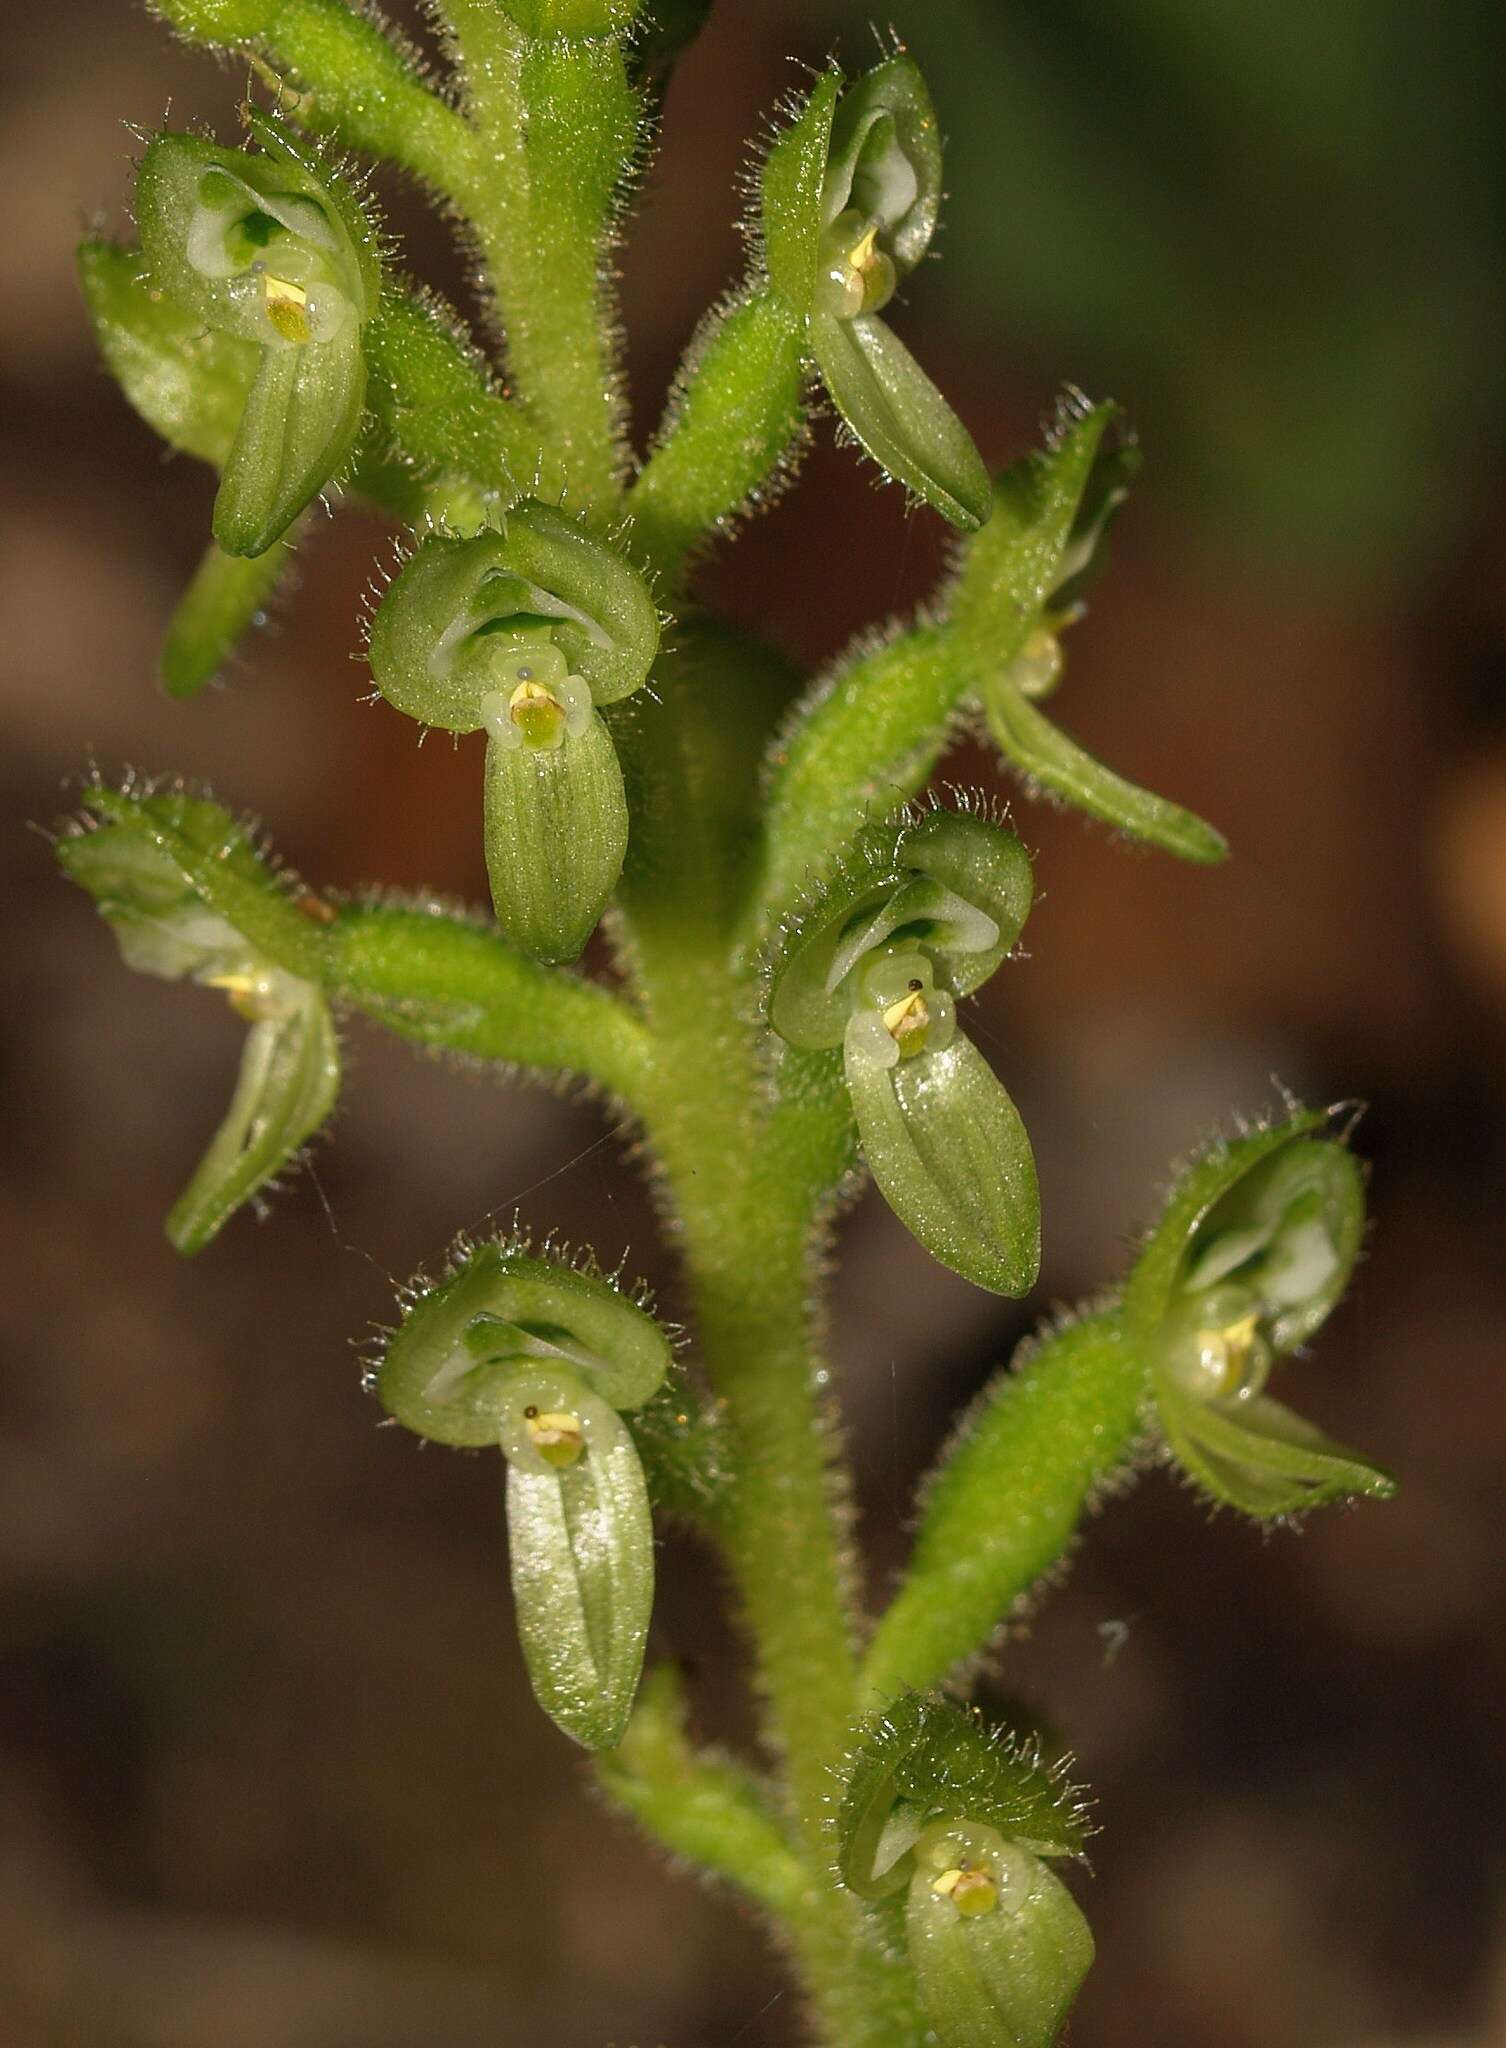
921 1757
442 1387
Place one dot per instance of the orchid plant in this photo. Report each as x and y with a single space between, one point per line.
792 919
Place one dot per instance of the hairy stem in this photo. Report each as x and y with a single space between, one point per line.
739 1193
555 124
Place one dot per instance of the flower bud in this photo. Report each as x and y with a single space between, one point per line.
269 249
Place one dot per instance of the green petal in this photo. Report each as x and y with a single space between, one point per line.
1005 1977
299 426
581 1546
289 1078
1041 751
556 829
899 416
951 1158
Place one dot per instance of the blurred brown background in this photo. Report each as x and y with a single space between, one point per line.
269 1773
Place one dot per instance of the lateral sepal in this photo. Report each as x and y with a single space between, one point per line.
189 898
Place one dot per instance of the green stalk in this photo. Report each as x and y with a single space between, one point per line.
740 1195
556 125
356 83
1003 1507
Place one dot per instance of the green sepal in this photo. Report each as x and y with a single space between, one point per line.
899 417
289 1079
793 173
951 1157
1228 1187
581 1553
1005 1975
953 884
297 431
187 381
227 596
457 602
556 831
1051 761
183 887
1257 1456
885 159
922 1757
444 1387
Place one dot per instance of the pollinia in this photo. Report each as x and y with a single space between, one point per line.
793 920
